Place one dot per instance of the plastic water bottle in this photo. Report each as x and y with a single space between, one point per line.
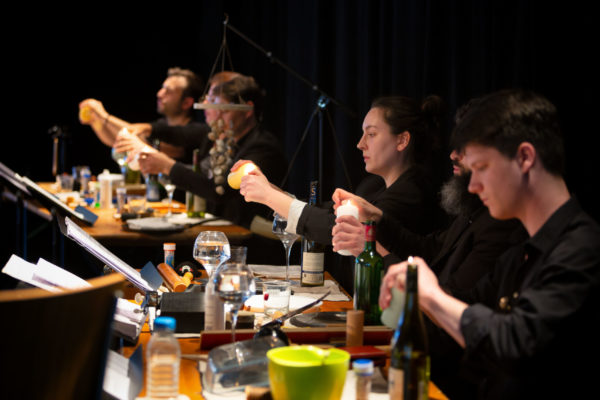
163 356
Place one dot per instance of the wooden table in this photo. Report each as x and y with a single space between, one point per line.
190 380
109 230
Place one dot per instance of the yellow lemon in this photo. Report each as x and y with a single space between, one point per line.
234 179
85 114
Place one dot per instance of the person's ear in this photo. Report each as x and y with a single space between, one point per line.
187 103
402 140
526 156
249 113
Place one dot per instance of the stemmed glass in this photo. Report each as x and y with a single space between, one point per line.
165 180
211 249
287 238
235 284
121 159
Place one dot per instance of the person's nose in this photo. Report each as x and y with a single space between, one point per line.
454 155
160 93
361 143
475 185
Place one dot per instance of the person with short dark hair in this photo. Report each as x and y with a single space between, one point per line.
526 327
174 101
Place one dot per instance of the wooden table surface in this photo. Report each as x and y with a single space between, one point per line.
109 230
190 380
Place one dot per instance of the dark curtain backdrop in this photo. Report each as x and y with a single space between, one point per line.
54 57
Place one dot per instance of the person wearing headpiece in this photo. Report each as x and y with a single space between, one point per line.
238 135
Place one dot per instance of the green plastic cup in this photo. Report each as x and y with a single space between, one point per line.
307 372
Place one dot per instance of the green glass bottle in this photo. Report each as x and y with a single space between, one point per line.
368 273
152 185
408 376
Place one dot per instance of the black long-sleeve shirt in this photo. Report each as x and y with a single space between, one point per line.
532 325
260 147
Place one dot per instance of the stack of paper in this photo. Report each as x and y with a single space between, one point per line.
128 319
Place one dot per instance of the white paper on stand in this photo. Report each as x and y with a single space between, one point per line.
26 272
103 254
129 317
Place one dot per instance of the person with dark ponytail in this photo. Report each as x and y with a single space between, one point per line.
400 139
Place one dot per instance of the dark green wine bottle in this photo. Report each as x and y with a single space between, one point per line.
152 184
195 205
408 376
368 273
313 253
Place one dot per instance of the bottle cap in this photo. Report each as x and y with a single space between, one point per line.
169 246
362 366
165 323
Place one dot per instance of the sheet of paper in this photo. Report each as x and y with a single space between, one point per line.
122 377
58 276
25 271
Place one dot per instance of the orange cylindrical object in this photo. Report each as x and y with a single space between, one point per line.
173 281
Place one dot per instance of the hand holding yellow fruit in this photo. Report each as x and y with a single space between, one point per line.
85 114
234 179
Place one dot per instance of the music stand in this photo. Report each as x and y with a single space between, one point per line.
92 246
55 206
16 191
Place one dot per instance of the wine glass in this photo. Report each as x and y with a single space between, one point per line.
235 284
287 238
165 180
211 249
121 159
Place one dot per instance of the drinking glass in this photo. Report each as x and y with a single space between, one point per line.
121 159
211 249
234 283
165 180
287 238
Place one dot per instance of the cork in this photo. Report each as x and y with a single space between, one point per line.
354 327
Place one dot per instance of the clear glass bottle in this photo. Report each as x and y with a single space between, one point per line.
313 253
408 376
368 273
163 357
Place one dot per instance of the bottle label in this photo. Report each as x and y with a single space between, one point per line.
170 258
312 278
369 233
396 383
313 262
416 388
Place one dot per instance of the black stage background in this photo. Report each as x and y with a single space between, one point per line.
53 57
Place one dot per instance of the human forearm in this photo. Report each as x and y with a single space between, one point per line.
107 128
278 201
446 312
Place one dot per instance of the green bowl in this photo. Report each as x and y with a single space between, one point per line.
307 372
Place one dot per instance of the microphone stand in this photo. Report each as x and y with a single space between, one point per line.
322 102
58 149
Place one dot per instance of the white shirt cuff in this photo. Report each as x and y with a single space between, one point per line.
294 215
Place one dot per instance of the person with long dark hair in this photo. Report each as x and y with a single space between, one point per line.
398 147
